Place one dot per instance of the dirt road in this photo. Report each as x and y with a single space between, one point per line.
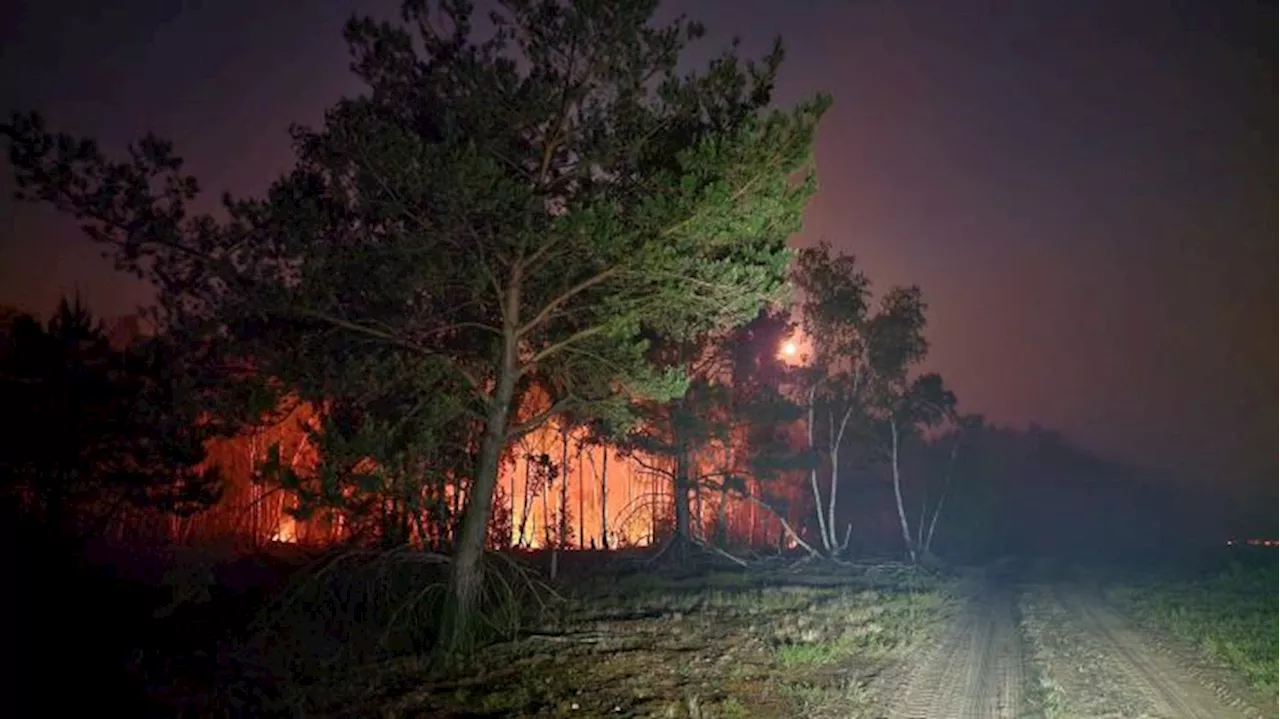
1103 665
977 671
1060 651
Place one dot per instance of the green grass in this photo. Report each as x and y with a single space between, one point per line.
797 655
1231 616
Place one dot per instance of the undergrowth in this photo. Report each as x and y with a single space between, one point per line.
357 608
350 635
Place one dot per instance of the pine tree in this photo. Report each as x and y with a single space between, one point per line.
496 217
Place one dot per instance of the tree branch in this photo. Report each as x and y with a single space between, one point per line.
561 345
536 421
390 339
547 312
667 473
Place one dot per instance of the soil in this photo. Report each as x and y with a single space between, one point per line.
978 669
1096 662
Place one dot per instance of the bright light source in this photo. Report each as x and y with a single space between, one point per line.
789 349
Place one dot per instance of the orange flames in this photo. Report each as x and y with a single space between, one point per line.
604 500
615 501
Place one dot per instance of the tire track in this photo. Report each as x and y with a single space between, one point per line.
975 672
1165 687
1003 663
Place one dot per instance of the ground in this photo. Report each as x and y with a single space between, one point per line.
775 642
976 668
1093 661
620 638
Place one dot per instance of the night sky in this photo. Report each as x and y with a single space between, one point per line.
1085 191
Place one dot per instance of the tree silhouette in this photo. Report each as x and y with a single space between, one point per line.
494 215
94 429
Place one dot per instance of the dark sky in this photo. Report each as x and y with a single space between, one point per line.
1084 190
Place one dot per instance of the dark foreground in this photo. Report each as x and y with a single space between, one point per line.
284 636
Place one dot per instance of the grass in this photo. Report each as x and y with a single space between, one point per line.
1231 616
761 643
1038 615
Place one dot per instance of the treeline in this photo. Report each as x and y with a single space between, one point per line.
728 463
971 491
95 432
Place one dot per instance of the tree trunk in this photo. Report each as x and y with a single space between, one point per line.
697 510
562 520
924 508
546 507
833 450
653 506
946 486
466 573
455 514
722 517
933 523
604 498
526 500
813 477
897 492
682 514
837 440
582 502
512 498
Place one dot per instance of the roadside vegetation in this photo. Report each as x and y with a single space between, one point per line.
614 636
1230 615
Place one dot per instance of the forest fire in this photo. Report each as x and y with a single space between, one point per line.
287 531
557 488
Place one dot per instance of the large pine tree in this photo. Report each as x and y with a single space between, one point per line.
500 215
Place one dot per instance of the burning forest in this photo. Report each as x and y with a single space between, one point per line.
516 389
560 486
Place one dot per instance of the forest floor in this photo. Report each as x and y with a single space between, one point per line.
780 639
780 642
